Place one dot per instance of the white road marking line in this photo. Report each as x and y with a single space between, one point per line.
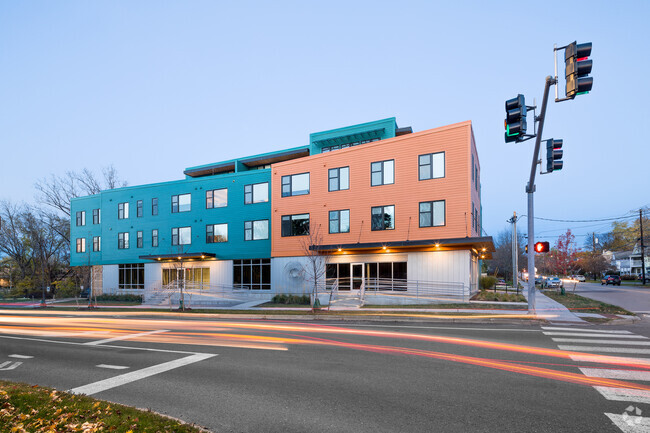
590 341
555 328
112 367
616 374
10 367
605 349
5 363
579 334
624 394
452 328
21 356
630 424
123 379
615 360
124 337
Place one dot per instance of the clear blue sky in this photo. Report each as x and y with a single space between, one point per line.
153 87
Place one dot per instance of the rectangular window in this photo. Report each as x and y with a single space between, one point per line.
215 233
81 245
256 193
295 184
123 240
81 218
154 206
181 203
383 218
138 209
122 211
339 178
252 274
432 165
97 243
216 198
432 213
382 173
256 230
295 225
181 236
340 221
139 239
154 237
97 216
131 276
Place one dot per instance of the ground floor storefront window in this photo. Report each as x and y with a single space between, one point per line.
377 276
252 274
197 278
131 276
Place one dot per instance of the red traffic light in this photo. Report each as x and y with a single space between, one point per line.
541 247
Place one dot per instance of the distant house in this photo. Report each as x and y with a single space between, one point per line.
629 262
622 261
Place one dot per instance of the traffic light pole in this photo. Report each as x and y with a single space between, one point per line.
530 189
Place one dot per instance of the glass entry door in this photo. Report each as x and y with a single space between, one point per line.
357 273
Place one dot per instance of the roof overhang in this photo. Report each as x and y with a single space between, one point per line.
178 257
481 246
209 170
276 157
351 138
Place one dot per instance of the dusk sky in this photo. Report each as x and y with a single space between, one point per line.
153 87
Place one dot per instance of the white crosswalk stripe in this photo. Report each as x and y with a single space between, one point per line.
599 344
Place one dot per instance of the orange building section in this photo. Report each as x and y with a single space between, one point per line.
457 188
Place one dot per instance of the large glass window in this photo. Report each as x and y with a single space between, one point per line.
339 178
97 216
181 236
97 243
139 210
432 165
154 206
216 198
340 221
154 237
181 203
382 173
215 233
256 193
139 239
252 274
256 230
432 213
123 211
295 225
295 184
383 218
194 278
81 245
81 218
131 276
123 240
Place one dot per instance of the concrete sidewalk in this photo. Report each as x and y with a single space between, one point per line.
552 310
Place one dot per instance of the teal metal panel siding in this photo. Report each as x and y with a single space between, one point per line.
387 127
234 214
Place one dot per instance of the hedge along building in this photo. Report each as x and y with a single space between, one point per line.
400 206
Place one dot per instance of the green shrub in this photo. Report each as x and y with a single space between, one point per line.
486 283
120 298
291 299
628 277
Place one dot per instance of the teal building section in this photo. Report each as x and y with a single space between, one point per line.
232 175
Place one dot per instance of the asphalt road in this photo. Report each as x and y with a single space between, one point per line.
283 376
635 299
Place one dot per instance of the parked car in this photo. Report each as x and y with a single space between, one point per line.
85 293
580 278
614 280
553 282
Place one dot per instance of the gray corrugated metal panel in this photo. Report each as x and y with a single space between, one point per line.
485 241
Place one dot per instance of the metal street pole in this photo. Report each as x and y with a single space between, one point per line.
530 189
642 248
515 249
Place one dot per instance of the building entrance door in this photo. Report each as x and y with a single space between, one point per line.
357 273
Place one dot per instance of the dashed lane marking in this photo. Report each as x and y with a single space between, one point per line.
112 367
123 379
124 337
21 356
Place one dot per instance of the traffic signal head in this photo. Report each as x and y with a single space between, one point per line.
578 66
515 122
541 247
554 155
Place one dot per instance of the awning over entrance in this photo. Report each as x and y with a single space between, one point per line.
181 256
482 246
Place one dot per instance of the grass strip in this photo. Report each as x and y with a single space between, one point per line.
27 408
580 304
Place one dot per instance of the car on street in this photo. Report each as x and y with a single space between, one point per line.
553 282
614 280
580 278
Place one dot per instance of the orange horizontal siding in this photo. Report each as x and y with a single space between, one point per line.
405 194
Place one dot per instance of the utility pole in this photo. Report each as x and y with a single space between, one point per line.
515 252
642 247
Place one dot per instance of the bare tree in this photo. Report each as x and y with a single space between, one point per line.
13 243
316 268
